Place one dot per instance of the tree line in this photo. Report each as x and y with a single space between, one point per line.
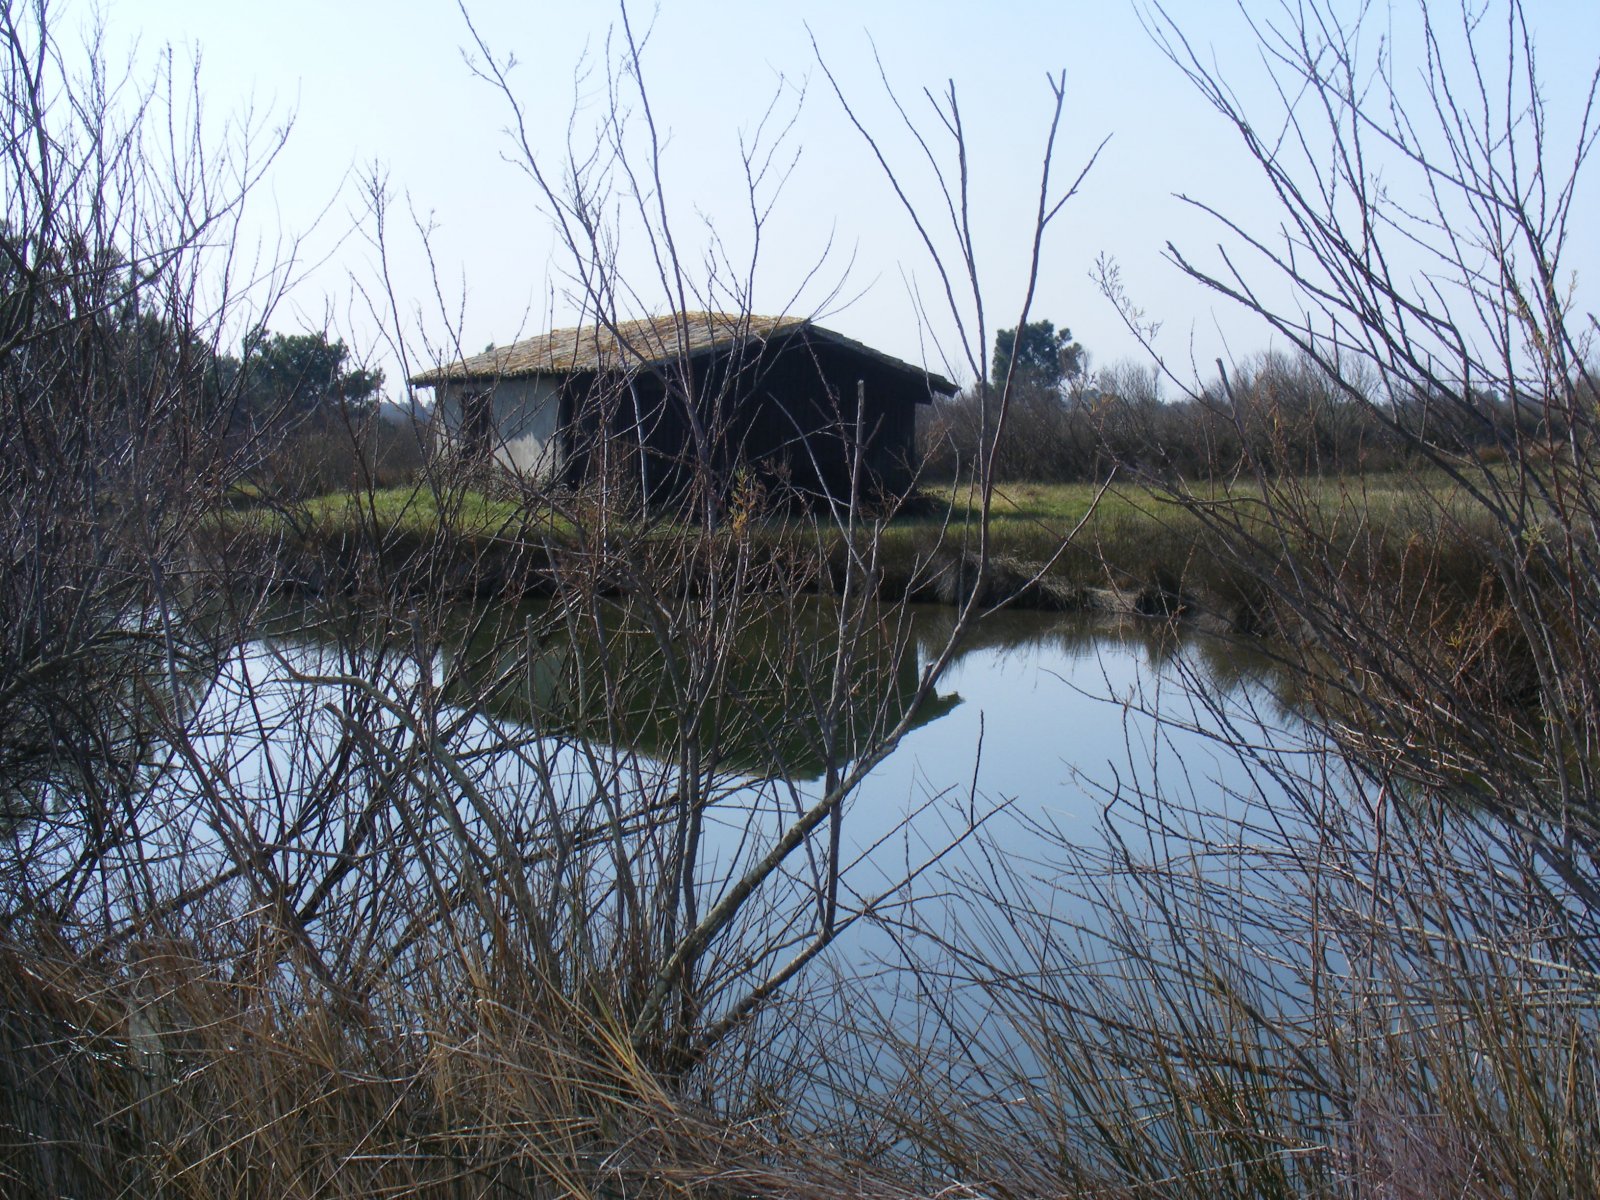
1278 413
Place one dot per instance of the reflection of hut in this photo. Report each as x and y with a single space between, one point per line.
758 723
653 401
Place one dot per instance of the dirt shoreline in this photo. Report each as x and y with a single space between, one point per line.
467 568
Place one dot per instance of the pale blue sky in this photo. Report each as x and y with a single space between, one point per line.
385 83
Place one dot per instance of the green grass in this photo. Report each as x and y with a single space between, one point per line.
1021 513
1126 538
418 510
409 512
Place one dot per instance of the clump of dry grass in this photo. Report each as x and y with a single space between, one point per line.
166 1074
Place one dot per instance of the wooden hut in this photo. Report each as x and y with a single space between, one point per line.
654 404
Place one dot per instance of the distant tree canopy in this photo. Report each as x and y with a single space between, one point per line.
290 378
1276 415
1045 356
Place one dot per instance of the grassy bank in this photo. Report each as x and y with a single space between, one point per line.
1053 546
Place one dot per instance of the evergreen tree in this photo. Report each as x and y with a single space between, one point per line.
1045 356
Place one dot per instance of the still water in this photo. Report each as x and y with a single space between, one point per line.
1047 739
1060 717
1070 793
1047 746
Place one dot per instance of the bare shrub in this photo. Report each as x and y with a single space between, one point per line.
392 893
1383 980
112 448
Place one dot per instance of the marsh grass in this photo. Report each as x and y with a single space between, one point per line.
1066 546
203 1077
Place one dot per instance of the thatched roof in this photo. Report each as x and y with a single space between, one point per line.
654 341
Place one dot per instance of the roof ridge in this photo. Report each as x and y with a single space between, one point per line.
641 342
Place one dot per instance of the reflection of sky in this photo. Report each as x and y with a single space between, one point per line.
1054 743
1051 715
1058 715
1048 712
1054 749
1056 721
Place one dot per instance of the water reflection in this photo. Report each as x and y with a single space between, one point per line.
608 677
1064 716
342 793
776 694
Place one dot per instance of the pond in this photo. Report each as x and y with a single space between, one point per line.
1044 731
311 744
1120 820
1104 863
376 781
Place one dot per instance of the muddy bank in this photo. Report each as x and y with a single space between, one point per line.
456 567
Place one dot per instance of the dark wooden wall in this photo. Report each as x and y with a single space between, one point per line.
784 414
